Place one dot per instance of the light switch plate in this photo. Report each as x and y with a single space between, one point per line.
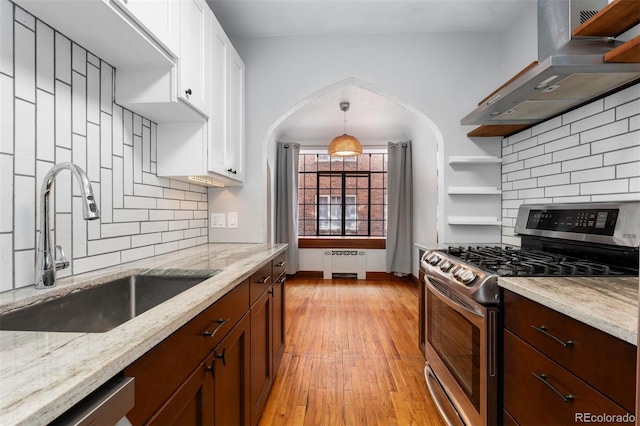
233 219
218 220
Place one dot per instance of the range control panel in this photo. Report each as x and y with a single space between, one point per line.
587 221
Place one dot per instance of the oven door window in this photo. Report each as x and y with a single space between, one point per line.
457 342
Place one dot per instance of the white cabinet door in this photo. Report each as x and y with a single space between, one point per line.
218 120
160 18
236 115
194 18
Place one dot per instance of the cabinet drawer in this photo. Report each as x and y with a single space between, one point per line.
605 362
279 265
160 371
260 282
531 400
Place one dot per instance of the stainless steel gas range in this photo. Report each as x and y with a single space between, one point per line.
462 296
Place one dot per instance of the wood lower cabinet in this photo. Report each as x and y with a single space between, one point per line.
218 368
557 368
231 372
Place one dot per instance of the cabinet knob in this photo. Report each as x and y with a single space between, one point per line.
222 356
232 171
188 91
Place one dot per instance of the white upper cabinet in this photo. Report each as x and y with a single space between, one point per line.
194 53
226 125
158 17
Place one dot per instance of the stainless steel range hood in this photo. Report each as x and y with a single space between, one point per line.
569 71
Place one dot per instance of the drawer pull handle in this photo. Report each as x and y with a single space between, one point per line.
543 379
264 279
281 264
220 322
542 329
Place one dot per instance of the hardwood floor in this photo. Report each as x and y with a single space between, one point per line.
352 357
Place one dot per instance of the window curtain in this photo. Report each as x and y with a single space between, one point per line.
287 201
400 208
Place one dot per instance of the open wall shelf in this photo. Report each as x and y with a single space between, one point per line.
474 220
470 159
473 190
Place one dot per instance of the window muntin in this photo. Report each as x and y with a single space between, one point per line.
342 196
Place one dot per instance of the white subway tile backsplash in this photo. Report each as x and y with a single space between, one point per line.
188 205
63 114
525 144
617 197
618 142
537 161
570 153
78 59
525 134
25 137
63 59
628 155
93 94
531 193
562 143
531 152
44 57
581 114
521 174
549 169
130 215
602 173
78 102
106 87
634 185
24 267
576 199
6 112
163 203
108 245
627 170
25 58
606 133
546 126
105 135
6 38
174 194
605 187
6 251
634 123
621 97
45 126
552 135
64 111
552 180
178 184
24 216
186 243
582 163
562 190
6 193
627 110
524 184
510 158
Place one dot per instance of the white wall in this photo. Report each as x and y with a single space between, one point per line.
520 41
441 75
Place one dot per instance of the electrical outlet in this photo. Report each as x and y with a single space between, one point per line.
233 219
218 220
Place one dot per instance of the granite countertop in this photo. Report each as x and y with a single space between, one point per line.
609 304
42 374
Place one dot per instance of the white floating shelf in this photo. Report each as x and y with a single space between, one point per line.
474 220
470 159
474 190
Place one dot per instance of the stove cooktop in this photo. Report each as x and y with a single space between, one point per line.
515 261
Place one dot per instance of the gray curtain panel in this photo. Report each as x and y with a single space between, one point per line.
399 208
287 201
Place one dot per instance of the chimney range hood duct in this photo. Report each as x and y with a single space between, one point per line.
569 71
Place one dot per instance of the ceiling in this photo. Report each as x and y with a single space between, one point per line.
372 118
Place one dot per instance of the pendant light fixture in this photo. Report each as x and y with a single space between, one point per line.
345 145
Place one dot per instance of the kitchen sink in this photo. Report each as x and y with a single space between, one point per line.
100 308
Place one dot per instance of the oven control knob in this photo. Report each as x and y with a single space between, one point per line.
445 265
467 276
433 258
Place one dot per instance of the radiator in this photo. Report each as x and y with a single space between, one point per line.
345 262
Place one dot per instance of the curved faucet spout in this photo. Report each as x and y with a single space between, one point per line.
47 262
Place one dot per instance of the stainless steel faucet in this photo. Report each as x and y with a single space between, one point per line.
47 262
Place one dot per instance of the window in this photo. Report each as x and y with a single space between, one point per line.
342 196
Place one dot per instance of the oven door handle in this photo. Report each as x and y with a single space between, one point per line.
475 316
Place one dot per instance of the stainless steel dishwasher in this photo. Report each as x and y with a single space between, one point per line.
107 405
